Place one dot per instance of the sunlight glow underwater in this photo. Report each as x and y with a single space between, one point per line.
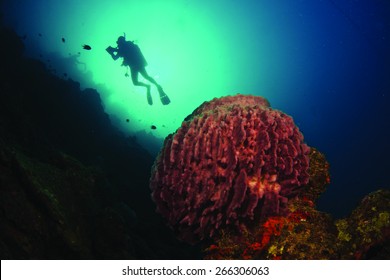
181 45
195 50
191 49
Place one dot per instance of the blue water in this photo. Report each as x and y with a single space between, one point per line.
326 63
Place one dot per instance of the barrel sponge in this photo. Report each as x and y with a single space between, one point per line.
233 160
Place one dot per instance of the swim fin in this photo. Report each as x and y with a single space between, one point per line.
163 96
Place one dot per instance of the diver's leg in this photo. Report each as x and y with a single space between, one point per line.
163 96
134 78
147 77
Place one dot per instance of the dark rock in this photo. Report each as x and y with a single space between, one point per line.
72 185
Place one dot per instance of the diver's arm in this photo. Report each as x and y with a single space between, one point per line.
115 56
111 51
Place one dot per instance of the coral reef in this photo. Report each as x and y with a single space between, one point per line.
306 233
365 234
237 176
234 160
303 234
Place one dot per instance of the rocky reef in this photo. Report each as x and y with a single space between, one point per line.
71 185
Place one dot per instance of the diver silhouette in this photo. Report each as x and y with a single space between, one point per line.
133 58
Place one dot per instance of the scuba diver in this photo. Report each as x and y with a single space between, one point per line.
133 58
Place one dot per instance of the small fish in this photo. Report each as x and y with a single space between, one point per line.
153 127
63 40
87 47
39 34
127 120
